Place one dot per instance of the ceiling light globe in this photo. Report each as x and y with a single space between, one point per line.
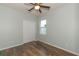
37 7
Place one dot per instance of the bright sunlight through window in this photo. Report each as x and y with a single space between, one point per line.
43 27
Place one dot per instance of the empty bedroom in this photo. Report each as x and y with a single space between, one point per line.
39 29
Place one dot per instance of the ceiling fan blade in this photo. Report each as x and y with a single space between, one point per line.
35 3
40 10
44 6
39 3
28 4
31 3
31 9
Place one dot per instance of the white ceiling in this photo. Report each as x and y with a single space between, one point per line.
22 7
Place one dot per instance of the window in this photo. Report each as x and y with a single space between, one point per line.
43 27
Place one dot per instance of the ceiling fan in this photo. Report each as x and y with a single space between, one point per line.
37 6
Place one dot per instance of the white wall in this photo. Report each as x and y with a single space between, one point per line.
16 27
77 29
62 28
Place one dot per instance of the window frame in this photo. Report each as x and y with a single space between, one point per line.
41 28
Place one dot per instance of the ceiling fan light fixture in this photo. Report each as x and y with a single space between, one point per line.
37 7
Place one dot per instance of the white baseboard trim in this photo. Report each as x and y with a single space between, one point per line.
16 45
29 41
11 46
60 47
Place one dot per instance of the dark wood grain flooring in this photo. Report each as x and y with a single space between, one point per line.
35 48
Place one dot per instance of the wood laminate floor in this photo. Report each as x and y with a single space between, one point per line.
35 48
